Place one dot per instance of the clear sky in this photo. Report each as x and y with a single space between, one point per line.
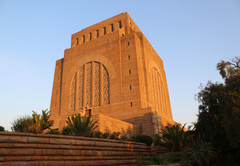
190 36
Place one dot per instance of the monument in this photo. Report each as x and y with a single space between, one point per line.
112 72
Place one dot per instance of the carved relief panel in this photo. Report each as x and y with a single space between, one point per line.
92 81
159 97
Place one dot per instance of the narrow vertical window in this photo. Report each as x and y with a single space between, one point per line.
90 36
128 43
120 24
105 30
77 41
112 28
129 71
130 87
131 104
83 38
97 33
128 56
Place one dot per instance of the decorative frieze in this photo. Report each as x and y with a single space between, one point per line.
106 99
80 87
89 90
96 84
73 94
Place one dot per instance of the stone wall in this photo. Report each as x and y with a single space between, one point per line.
39 149
109 124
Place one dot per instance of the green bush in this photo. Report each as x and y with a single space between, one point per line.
173 137
134 137
33 124
55 132
105 135
124 138
98 134
115 135
157 160
80 126
23 124
145 139
2 128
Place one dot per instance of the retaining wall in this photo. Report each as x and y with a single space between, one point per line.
42 149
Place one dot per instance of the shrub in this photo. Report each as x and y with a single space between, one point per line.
199 153
80 126
115 135
98 134
157 160
2 128
173 137
145 139
55 132
105 135
124 138
67 131
23 124
33 124
134 137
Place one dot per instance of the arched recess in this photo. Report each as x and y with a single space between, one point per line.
90 86
159 94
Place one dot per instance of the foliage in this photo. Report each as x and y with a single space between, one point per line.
157 160
115 135
202 153
173 137
185 159
42 122
124 138
96 134
219 112
198 153
55 132
23 124
80 126
134 137
33 124
141 161
2 128
145 139
106 135
67 130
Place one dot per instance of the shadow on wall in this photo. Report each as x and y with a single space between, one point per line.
142 124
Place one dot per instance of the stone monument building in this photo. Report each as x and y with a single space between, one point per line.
112 72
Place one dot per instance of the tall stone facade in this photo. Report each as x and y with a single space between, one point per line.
111 69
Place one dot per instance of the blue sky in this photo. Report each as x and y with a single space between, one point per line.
190 36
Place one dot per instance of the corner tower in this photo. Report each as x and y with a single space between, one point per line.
111 69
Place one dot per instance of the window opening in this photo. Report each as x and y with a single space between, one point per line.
129 71
90 36
131 104
112 28
97 33
83 38
77 41
130 87
128 43
88 112
105 30
120 24
128 56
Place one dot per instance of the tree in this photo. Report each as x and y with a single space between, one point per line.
219 110
2 128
